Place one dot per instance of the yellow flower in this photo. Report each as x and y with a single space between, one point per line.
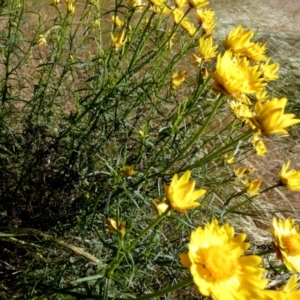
261 96
205 73
180 193
55 2
269 71
206 49
252 188
290 179
119 40
197 60
70 8
287 242
118 22
269 117
178 79
162 9
178 14
198 3
241 111
205 15
157 2
161 207
42 40
135 4
188 26
256 52
113 226
128 171
291 289
238 40
207 18
239 172
229 158
258 144
181 3
234 76
219 268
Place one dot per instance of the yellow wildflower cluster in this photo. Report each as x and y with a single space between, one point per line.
244 70
220 269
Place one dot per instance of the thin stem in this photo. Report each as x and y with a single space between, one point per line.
198 134
170 289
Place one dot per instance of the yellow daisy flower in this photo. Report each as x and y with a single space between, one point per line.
157 2
234 76
135 4
188 26
119 40
269 117
181 3
256 52
259 145
269 71
177 15
42 40
262 95
160 207
178 79
238 39
180 193
290 179
219 269
114 227
128 171
198 3
206 49
287 242
118 22
291 289
205 15
162 9
207 18
240 172
252 188
229 158
241 111
71 8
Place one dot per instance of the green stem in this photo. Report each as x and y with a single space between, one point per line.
116 263
170 289
147 229
223 213
219 152
198 134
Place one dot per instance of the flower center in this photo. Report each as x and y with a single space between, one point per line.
220 264
292 244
